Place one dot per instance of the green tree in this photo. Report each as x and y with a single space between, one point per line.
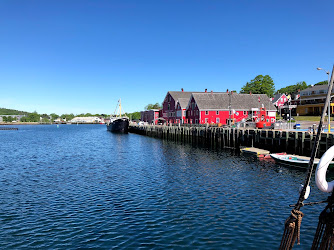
24 119
4 118
291 89
45 120
260 85
153 106
67 117
33 117
322 83
133 116
54 116
9 119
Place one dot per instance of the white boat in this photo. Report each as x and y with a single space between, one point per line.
295 160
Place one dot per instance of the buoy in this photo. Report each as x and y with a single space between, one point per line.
320 173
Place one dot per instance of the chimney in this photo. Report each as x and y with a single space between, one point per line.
182 89
206 90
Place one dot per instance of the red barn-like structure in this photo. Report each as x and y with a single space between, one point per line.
174 106
228 107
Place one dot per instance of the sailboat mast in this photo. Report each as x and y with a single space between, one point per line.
120 108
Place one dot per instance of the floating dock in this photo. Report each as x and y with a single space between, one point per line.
254 151
9 129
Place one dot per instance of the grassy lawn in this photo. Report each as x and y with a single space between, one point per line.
309 118
306 118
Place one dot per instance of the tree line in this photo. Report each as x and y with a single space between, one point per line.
36 117
265 85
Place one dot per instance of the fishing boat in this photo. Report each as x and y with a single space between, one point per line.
296 160
118 123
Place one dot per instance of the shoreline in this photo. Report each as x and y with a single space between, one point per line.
37 123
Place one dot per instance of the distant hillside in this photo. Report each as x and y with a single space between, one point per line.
4 111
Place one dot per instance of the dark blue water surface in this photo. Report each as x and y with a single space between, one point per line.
83 187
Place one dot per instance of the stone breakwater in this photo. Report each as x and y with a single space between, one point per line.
293 142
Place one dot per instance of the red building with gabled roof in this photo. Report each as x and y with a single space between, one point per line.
224 107
174 106
279 100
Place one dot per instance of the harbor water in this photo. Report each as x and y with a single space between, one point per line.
79 187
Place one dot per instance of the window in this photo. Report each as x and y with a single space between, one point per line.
206 120
217 112
168 106
192 105
196 121
206 112
245 112
196 112
217 120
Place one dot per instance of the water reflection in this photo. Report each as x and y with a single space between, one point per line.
84 187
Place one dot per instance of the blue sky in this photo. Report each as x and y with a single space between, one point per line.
79 56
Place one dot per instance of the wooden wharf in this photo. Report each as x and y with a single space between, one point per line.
275 141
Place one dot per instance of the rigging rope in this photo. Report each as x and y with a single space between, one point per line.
293 223
324 234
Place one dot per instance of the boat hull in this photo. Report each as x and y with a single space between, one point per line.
297 161
118 126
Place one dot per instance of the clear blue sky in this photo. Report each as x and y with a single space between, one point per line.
79 56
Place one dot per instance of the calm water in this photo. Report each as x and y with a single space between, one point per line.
80 186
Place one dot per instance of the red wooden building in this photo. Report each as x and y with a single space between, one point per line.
174 106
279 100
228 107
150 116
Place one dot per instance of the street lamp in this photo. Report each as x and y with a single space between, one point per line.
329 102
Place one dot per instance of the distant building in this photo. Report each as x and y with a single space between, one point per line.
91 119
15 117
151 116
312 100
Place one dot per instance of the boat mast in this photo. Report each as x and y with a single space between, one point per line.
120 108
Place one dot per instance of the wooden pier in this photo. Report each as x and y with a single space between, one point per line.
275 141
